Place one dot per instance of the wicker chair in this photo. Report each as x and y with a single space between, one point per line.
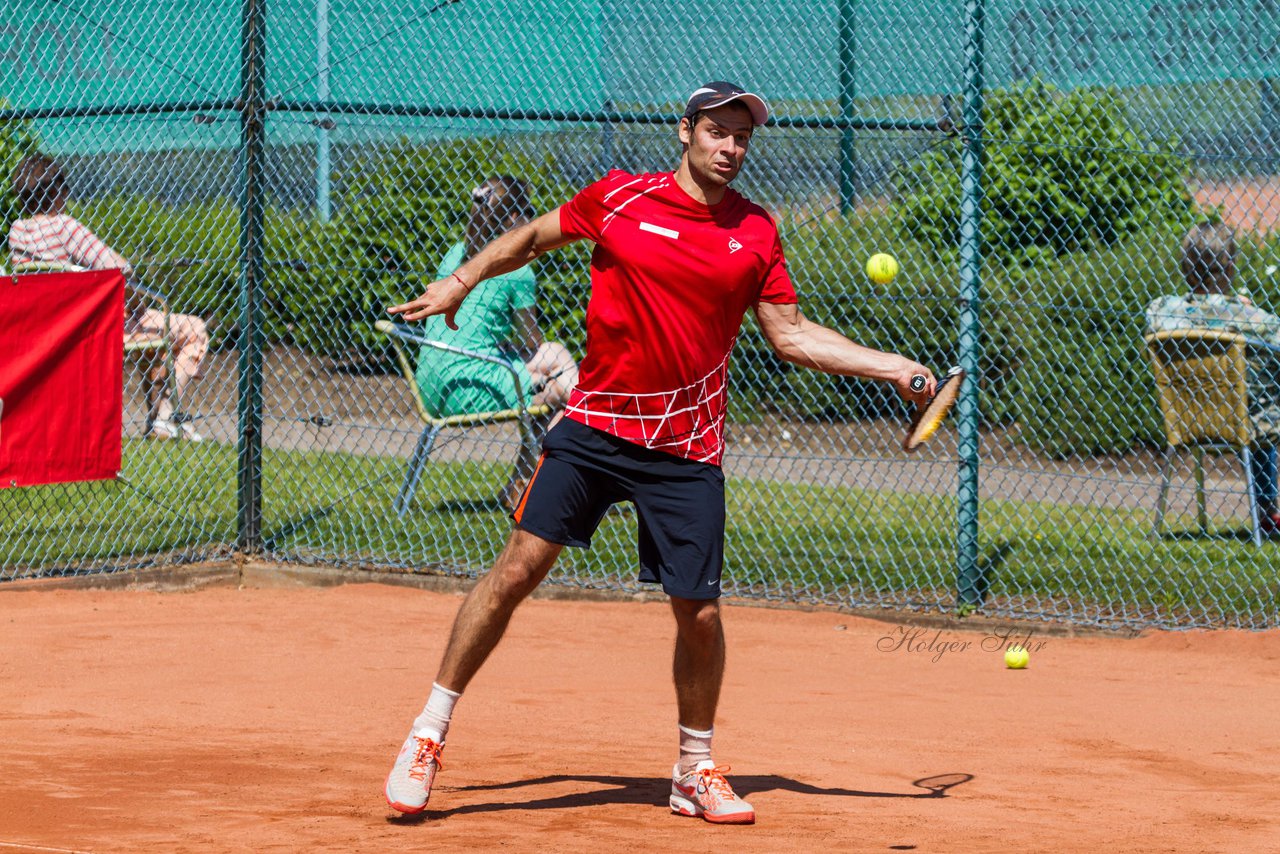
1201 381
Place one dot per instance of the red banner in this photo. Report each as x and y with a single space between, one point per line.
61 363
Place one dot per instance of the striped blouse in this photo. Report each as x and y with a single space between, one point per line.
57 239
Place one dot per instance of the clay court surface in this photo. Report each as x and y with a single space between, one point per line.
264 719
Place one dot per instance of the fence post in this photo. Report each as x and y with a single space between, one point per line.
968 582
848 142
323 123
253 25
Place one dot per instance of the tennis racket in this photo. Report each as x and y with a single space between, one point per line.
929 417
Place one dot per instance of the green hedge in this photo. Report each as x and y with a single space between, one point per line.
327 282
1064 172
917 313
1081 221
1062 361
1062 330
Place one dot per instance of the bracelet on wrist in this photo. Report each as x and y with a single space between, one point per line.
465 286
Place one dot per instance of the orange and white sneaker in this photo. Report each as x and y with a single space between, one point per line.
409 783
705 792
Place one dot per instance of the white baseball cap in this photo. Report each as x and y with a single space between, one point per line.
720 92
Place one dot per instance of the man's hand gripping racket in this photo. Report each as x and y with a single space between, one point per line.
929 416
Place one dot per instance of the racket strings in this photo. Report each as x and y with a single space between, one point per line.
928 425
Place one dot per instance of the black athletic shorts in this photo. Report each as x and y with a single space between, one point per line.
679 504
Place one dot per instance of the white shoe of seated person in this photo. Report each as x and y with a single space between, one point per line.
163 428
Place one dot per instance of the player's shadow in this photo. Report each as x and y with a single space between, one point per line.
650 791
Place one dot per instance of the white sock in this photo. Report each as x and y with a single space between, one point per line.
695 748
433 723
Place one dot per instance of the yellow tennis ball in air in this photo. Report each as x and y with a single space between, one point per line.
1016 657
881 268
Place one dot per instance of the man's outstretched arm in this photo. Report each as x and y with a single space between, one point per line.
507 252
799 340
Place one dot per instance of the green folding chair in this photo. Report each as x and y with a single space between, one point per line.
402 338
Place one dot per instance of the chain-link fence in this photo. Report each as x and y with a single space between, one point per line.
284 170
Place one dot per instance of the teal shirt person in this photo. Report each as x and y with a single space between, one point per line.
452 384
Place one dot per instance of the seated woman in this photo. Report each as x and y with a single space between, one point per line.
497 319
47 235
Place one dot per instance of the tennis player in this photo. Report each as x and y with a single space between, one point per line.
679 258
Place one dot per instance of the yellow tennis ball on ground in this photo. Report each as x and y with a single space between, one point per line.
881 268
1016 657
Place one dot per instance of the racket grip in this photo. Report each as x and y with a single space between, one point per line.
917 383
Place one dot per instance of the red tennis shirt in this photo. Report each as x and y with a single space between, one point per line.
671 279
